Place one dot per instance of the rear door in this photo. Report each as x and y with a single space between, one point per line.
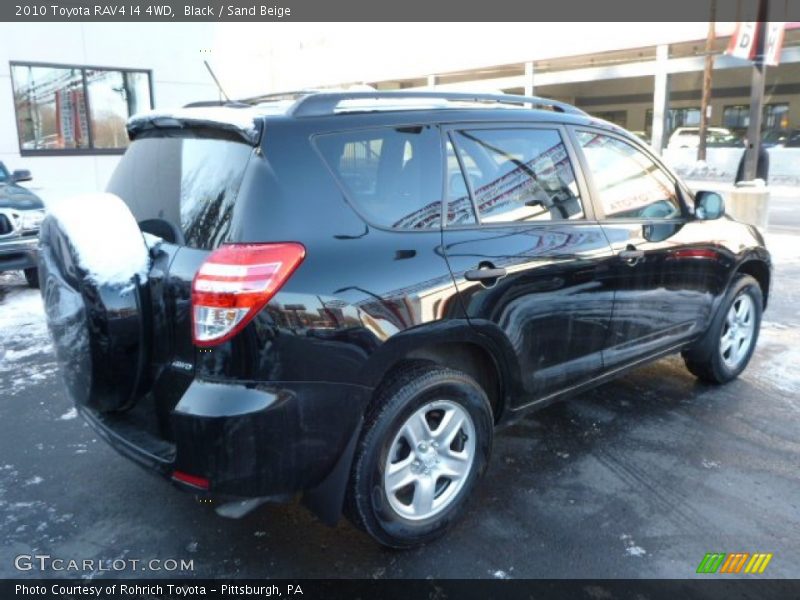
182 186
663 274
528 258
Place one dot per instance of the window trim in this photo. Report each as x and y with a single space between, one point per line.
589 216
346 193
90 151
680 191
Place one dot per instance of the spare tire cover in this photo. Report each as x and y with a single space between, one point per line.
96 297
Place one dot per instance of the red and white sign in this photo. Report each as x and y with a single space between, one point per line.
744 42
773 44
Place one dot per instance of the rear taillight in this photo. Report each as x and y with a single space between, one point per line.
234 283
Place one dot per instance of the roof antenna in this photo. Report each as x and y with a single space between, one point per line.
214 77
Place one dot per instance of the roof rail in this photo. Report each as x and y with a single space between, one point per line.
325 103
207 103
290 95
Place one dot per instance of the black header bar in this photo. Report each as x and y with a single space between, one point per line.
447 589
390 10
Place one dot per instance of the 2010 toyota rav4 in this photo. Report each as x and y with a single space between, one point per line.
344 294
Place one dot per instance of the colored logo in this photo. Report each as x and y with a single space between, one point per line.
739 562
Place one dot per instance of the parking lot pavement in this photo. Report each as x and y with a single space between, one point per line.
639 478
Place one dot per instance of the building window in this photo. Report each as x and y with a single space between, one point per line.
676 117
618 117
67 109
737 117
776 116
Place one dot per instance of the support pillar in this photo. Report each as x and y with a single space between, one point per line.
660 99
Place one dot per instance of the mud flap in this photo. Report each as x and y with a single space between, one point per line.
327 498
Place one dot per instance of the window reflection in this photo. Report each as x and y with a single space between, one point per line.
628 182
211 171
520 175
113 97
51 106
459 204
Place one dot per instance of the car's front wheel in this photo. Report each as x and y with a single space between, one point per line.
724 351
424 446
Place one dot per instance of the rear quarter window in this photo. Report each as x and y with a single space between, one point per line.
192 182
392 176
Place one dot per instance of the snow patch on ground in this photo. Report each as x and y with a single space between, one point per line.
69 415
23 336
23 331
105 235
631 549
499 574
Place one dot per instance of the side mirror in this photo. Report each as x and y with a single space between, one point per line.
21 175
708 206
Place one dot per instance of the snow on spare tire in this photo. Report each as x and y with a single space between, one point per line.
94 267
105 236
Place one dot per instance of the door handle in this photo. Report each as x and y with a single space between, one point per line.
631 255
484 274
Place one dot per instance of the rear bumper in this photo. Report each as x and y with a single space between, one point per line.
247 441
19 253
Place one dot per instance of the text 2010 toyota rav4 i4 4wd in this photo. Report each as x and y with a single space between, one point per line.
344 294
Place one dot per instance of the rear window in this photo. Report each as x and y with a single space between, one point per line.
192 182
392 176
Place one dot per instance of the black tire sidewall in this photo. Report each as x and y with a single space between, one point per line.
32 277
379 518
705 359
749 286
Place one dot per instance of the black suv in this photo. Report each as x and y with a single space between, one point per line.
346 293
21 213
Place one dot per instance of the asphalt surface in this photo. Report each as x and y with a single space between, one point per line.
639 478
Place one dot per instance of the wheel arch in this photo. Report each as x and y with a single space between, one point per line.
759 269
454 344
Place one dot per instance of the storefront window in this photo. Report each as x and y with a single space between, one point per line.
776 116
76 108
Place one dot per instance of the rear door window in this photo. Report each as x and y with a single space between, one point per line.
191 182
392 176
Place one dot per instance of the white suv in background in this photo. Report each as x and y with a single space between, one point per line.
689 137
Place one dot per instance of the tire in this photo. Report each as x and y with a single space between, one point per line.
405 518
32 277
707 360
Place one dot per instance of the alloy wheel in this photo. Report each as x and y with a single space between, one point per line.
429 460
737 332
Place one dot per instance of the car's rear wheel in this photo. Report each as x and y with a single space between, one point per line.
423 448
32 277
726 348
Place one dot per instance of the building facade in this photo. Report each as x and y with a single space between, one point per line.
66 89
